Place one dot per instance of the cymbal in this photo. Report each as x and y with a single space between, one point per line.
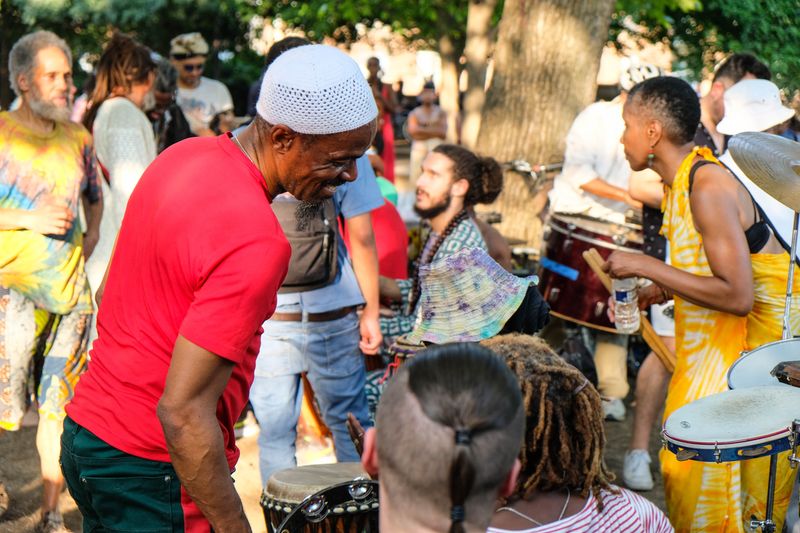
771 162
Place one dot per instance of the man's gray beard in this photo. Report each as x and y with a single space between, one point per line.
46 110
305 213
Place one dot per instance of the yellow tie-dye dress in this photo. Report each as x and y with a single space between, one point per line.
707 497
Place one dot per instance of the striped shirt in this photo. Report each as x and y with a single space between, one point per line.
626 512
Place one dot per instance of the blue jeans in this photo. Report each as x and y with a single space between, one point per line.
329 353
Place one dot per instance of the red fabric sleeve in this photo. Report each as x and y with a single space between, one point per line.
236 295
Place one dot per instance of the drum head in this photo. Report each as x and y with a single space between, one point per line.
753 368
734 419
293 485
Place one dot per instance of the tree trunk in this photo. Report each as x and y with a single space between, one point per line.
545 69
450 52
476 52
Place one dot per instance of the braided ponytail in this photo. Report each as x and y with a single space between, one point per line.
468 390
462 477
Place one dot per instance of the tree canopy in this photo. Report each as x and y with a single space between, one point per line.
700 32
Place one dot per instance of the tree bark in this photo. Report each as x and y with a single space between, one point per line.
545 69
476 52
450 53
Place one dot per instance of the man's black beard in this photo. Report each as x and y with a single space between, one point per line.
434 210
305 213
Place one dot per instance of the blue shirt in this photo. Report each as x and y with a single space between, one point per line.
351 199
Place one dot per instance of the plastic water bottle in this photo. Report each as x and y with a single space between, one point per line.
626 308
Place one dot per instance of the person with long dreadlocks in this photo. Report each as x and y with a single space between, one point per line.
453 179
564 483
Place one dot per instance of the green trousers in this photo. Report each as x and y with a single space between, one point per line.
115 491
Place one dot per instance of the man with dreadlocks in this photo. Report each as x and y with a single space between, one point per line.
453 180
564 484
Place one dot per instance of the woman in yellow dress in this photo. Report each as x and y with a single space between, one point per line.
727 277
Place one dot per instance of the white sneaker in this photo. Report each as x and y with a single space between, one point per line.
636 470
614 409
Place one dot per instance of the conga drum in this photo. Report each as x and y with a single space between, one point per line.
567 282
320 499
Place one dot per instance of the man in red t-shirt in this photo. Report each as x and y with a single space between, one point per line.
148 443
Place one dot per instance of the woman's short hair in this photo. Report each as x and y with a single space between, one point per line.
671 101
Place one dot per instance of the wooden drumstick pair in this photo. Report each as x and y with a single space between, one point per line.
595 262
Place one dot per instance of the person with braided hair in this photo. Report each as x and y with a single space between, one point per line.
564 483
447 435
453 180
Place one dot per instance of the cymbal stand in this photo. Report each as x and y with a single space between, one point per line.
768 525
787 330
794 459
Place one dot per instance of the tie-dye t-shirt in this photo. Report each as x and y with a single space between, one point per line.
35 168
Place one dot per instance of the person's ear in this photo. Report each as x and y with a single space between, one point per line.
23 83
283 138
717 90
459 188
510 483
369 457
654 131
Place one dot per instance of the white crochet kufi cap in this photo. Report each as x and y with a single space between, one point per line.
316 89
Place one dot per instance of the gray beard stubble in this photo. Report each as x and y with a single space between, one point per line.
306 212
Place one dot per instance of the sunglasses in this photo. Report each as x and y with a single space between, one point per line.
192 68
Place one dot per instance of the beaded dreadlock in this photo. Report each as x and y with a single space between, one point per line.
564 434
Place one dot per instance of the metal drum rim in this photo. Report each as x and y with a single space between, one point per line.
728 444
745 354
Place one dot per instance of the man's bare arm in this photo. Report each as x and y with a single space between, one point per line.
93 212
187 411
365 266
602 188
51 218
647 187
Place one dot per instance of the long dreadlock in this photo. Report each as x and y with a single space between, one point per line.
564 434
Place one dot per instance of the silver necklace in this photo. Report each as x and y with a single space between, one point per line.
239 144
526 517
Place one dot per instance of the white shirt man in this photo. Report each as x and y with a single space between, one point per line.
200 98
594 153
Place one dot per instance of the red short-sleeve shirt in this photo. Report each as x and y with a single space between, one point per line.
200 254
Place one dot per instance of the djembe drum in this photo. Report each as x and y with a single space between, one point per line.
321 499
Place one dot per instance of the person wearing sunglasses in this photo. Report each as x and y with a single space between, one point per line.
200 98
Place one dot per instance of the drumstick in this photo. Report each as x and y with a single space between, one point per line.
595 262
